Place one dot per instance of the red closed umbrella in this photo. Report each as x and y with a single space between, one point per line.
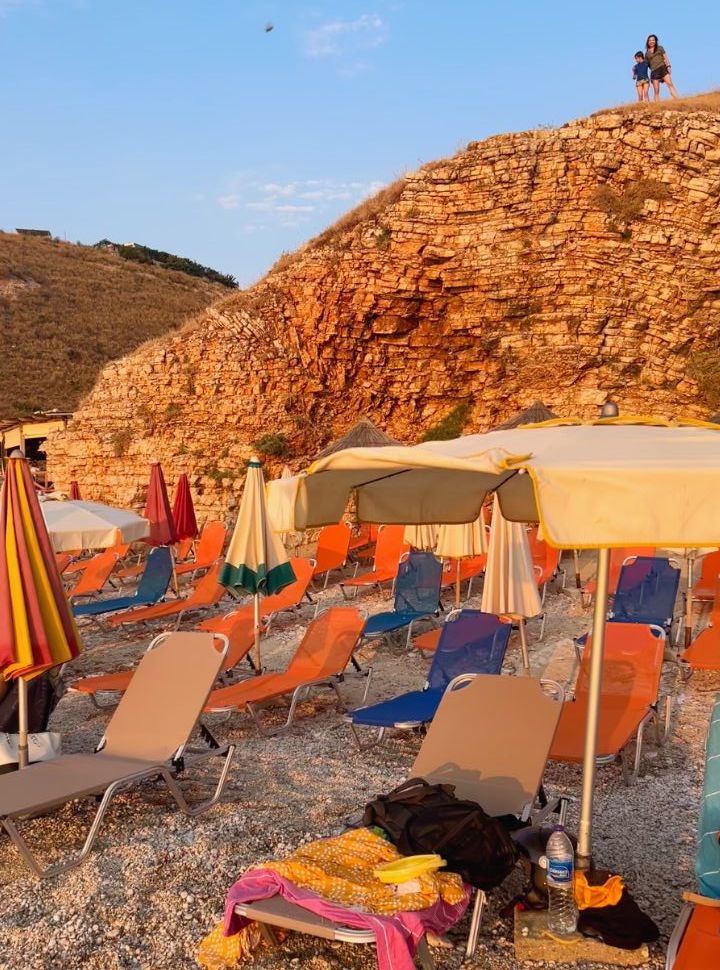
74 491
183 510
157 510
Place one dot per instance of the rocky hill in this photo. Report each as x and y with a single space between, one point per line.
66 310
567 265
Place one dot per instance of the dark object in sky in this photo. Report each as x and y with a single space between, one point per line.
268 28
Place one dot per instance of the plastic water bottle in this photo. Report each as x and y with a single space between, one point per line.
562 914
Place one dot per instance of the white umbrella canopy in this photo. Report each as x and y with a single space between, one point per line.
612 483
90 525
422 537
281 494
462 541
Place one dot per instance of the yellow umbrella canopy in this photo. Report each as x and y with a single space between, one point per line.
462 541
37 629
421 537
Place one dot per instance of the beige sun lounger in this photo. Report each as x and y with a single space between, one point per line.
517 718
146 737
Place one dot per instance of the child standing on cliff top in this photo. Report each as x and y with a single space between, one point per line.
641 76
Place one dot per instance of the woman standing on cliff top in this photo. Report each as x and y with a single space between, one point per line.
659 67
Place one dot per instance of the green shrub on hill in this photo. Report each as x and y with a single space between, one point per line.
144 254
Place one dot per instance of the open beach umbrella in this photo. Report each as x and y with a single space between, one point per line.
422 537
183 512
510 588
90 525
75 491
256 560
37 629
462 541
607 484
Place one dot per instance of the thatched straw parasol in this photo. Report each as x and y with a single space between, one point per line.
536 413
362 435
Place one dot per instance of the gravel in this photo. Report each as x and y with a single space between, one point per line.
155 882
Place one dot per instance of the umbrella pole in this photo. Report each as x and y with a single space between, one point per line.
22 723
584 849
689 601
524 646
576 561
256 631
457 585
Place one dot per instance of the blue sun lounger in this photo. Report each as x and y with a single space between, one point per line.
471 642
417 596
151 588
646 592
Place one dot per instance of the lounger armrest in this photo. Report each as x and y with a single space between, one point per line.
698 900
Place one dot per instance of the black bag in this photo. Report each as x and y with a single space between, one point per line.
419 818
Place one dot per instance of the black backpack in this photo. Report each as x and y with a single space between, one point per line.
419 818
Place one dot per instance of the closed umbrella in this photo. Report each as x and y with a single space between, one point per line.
158 511
90 525
510 588
256 560
422 537
462 541
281 494
183 512
75 491
37 630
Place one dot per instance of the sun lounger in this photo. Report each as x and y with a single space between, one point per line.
470 569
471 642
237 627
632 665
184 550
95 576
206 594
151 588
695 941
147 737
706 587
325 651
646 592
332 550
546 562
417 597
389 550
704 651
618 558
292 597
209 548
490 739
362 539
120 549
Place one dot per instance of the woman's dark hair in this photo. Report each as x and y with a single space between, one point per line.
655 38
639 54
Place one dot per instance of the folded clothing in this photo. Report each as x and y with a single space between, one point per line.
622 924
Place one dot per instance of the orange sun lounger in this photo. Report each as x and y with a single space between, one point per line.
706 588
209 548
95 575
236 626
332 550
704 651
320 660
389 550
207 593
632 666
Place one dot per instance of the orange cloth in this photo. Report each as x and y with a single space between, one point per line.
594 897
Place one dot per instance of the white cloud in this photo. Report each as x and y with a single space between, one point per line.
231 201
340 37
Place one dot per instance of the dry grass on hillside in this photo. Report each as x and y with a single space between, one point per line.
709 101
65 310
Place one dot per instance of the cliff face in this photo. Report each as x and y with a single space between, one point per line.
567 265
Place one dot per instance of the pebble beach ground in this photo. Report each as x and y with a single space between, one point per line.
155 883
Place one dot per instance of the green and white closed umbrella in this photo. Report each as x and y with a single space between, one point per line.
256 560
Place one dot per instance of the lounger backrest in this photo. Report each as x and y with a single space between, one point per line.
707 862
183 549
710 570
156 576
211 542
238 628
632 663
417 587
208 589
293 594
389 548
471 642
96 573
646 591
332 547
491 739
327 645
165 697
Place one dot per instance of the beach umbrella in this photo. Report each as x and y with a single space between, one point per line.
422 537
462 541
75 491
37 629
158 511
183 513
510 588
256 560
90 525
607 484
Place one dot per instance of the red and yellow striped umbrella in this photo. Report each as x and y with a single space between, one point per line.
37 629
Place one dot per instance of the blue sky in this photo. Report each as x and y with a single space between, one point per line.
184 125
